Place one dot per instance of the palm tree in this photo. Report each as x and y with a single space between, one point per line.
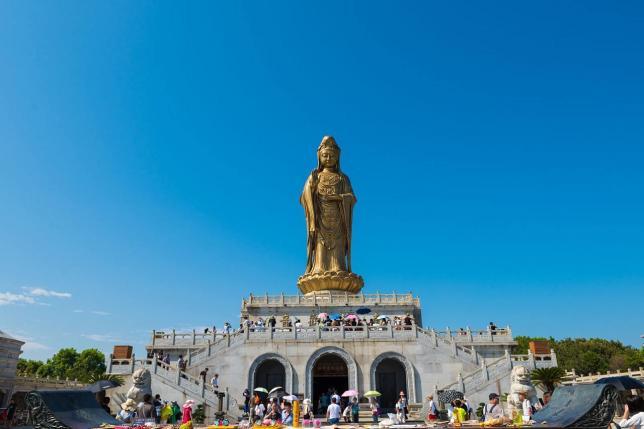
114 378
547 378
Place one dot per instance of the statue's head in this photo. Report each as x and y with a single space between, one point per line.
328 154
141 377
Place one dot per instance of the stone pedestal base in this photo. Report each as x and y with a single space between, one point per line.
341 281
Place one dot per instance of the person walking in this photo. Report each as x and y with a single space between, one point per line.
401 407
146 409
432 414
333 412
355 410
214 381
246 396
204 374
374 406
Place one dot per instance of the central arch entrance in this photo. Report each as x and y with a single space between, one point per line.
269 374
330 374
391 378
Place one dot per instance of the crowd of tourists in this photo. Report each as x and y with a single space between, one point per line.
153 411
326 321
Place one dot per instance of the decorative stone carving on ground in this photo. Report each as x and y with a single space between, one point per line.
520 382
141 385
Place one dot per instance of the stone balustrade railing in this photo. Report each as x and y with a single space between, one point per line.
490 371
47 381
572 377
194 340
323 298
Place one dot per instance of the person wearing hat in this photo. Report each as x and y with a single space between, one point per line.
126 415
187 411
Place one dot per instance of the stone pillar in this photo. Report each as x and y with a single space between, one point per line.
531 361
194 337
155 363
174 337
469 335
553 357
132 364
109 364
154 336
461 384
484 371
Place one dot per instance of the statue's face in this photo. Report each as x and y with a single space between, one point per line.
328 158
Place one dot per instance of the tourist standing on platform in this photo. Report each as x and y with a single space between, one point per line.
166 359
374 406
126 415
493 409
333 412
432 413
633 413
335 396
158 405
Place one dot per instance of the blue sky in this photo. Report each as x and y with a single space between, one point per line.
152 155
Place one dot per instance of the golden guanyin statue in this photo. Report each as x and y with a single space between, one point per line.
328 202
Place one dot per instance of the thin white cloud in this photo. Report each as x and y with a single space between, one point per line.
7 298
102 338
44 292
100 313
30 345
79 311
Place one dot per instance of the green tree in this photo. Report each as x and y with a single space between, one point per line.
29 367
89 364
547 378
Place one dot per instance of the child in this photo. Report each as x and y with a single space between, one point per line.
347 413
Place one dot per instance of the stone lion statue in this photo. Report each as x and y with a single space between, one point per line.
141 385
520 382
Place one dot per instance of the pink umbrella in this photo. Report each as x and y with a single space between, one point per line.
350 393
351 317
323 316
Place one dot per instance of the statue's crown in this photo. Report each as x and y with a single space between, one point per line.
328 142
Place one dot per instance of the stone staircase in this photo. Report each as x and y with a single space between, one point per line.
462 353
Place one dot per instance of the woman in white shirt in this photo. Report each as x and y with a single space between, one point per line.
633 413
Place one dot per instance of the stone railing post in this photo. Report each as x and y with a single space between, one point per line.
189 357
378 297
228 339
209 348
461 384
174 337
342 331
155 363
434 337
531 361
194 337
318 330
271 329
391 330
509 329
475 355
294 332
448 332
362 297
178 377
454 349
132 364
282 298
508 358
414 328
553 357
154 336
469 335
109 364
486 373
247 331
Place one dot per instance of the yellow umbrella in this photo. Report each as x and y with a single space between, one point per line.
372 394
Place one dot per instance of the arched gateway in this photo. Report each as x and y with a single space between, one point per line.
390 373
330 368
271 370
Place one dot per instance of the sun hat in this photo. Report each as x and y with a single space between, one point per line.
129 405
